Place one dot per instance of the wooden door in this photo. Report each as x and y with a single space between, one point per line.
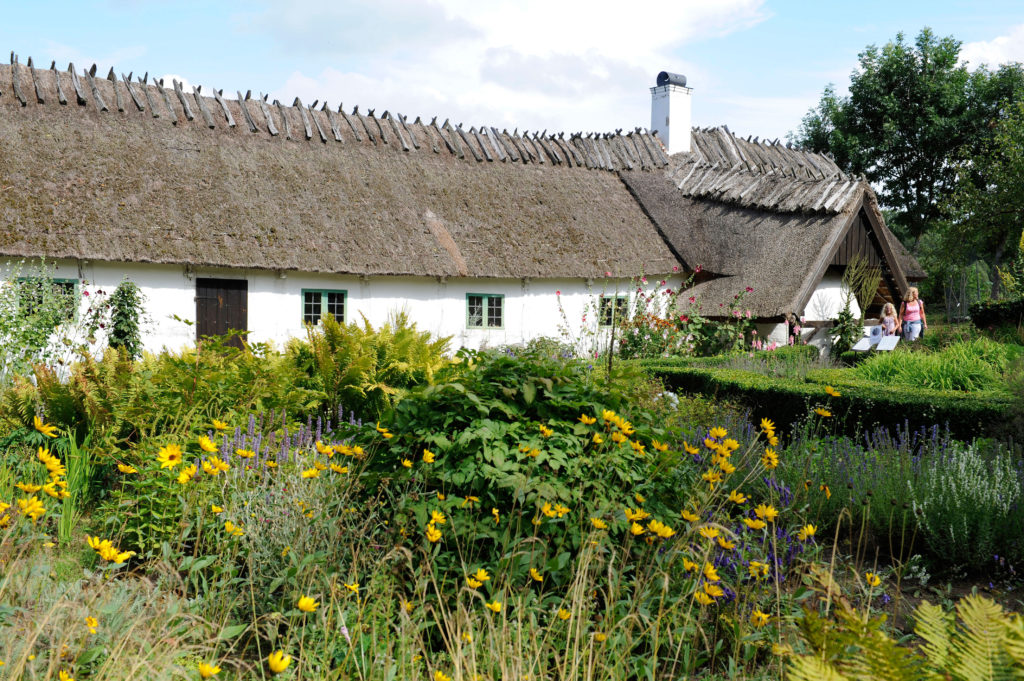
222 305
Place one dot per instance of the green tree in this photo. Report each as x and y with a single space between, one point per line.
912 108
126 306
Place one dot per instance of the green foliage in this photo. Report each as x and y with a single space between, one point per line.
975 365
861 280
126 306
986 643
991 313
847 329
368 370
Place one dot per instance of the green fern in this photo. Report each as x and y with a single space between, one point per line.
979 654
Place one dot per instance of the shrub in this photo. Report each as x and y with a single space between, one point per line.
990 313
974 365
126 305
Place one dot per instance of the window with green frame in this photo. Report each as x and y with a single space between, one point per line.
36 293
621 309
318 302
485 311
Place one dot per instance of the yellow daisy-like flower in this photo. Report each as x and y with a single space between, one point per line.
637 529
271 464
436 517
660 529
718 432
406 463
169 456
607 415
28 488
770 459
587 420
535 575
216 509
824 413
703 598
474 583
481 574
62 675
126 469
773 440
659 446
32 508
872 579
545 431
278 661
727 545
321 448
186 473
766 512
207 671
832 391
713 590
353 587
712 477
758 618
219 425
755 524
600 636
307 604
824 488
689 516
708 532
496 514
493 606
311 473
726 466
757 569
689 565
638 514
564 614
598 439
469 501
428 456
618 438
207 445
338 469
433 534
767 427
441 676
710 573
599 524
232 529
637 447
690 449
806 532
44 428
737 498
245 453
91 623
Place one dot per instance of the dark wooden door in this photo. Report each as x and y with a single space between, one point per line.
222 305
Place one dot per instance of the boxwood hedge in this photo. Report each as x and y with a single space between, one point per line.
991 313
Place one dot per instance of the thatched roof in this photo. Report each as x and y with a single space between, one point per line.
96 169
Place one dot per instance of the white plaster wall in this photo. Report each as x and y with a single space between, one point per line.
827 300
532 307
671 116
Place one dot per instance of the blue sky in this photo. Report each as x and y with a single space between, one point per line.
756 65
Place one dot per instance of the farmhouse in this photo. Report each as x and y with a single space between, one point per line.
236 212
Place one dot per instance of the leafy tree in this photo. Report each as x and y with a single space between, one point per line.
126 304
912 108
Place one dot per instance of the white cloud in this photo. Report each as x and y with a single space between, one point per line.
534 64
999 50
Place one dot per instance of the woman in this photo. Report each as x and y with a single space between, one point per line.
912 315
889 322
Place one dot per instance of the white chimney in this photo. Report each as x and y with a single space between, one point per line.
670 112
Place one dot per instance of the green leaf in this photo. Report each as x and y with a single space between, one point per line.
228 633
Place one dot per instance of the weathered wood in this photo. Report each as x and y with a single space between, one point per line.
35 83
16 80
380 128
218 95
483 145
181 98
499 148
131 92
397 131
569 157
91 78
538 153
203 109
351 125
284 117
159 85
510 151
262 102
333 120
61 97
316 124
118 100
408 130
444 138
469 144
245 113
79 93
366 126
305 119
149 99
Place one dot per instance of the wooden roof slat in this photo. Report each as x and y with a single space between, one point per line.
204 110
77 84
189 116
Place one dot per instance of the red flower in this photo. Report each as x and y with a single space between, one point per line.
750 290
699 268
683 318
558 293
693 299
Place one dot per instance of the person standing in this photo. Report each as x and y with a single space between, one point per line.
889 322
912 316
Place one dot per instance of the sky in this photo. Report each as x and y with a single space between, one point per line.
754 65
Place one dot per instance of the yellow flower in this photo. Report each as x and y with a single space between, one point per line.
406 463
545 431
607 415
564 614
433 534
339 469
638 514
713 590
726 466
767 427
757 569
535 575
245 453
548 510
208 670
186 473
758 618
45 429
321 448
219 425
232 529
872 579
437 517
660 529
474 583
689 516
832 391
311 473
271 464
207 445
690 449
307 604
712 477
718 432
773 440
599 524
770 458
126 469
482 575
637 529
598 439
440 497
496 514
727 545
703 598
618 438
710 573
408 607
729 446
32 507
709 532
63 675
278 661
626 427
169 456
689 565
587 420
428 456
754 524
285 551
353 587
637 447
537 520
91 623
806 532
441 676
216 509
27 488
493 606
737 498
765 512
822 412
660 446
469 501
824 488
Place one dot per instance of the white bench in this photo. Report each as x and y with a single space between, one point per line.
874 339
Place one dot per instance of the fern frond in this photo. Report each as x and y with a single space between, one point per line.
980 650
935 626
813 668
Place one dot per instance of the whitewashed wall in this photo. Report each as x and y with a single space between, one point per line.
828 298
531 307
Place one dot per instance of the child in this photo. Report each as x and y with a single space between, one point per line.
889 321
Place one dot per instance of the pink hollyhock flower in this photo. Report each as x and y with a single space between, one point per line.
750 290
675 268
693 299
558 293
699 268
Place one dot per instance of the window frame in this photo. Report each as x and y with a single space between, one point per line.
75 291
323 304
486 297
620 306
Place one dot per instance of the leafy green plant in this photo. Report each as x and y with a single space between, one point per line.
126 306
978 364
846 329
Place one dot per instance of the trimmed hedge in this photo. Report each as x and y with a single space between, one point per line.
862 405
991 313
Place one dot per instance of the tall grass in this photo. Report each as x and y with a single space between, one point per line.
978 364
